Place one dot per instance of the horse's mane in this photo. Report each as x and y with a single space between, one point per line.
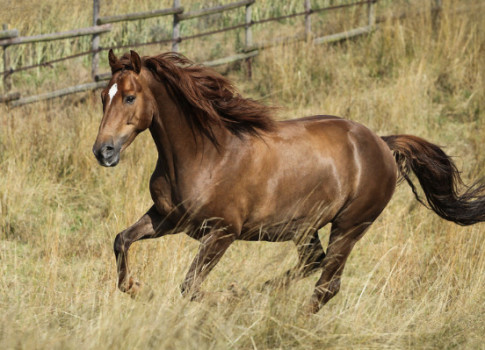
206 98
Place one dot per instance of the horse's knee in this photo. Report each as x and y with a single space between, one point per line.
118 244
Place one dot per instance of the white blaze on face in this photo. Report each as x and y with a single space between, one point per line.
112 92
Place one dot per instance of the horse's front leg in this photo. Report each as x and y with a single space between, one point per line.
211 249
150 225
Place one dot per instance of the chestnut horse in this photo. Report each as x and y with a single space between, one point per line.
227 171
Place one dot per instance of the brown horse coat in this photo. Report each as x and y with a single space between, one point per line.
227 171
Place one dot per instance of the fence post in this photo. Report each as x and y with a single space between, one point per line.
438 4
7 83
308 19
95 41
248 36
248 31
176 28
371 12
436 13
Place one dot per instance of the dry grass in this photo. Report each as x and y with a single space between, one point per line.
413 281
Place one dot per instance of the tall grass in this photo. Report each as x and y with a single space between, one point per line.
413 281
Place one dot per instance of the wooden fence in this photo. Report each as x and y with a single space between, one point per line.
103 25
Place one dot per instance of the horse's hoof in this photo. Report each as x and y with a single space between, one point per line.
140 291
136 290
312 307
129 286
134 287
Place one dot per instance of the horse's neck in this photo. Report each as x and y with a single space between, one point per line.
179 146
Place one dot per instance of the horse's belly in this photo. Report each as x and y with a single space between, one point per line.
276 232
279 223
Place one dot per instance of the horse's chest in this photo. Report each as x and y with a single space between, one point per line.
162 195
170 201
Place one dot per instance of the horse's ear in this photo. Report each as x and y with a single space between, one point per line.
135 61
113 60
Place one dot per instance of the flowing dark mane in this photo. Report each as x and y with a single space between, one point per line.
206 98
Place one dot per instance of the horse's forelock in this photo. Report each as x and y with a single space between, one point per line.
124 63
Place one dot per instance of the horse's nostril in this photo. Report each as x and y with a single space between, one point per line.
107 151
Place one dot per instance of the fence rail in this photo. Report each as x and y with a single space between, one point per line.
102 25
57 93
11 96
214 10
56 36
7 34
139 15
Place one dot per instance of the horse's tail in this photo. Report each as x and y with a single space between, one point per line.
439 178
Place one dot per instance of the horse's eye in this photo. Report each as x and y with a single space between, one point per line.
130 99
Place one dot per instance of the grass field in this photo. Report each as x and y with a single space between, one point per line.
413 282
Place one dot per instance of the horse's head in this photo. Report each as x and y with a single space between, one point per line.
128 107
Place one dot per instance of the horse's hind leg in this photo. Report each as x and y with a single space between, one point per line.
341 242
150 225
310 258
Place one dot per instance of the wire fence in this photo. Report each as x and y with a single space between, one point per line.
103 26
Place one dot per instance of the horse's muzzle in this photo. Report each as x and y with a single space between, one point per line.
107 154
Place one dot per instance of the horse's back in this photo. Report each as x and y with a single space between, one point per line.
358 153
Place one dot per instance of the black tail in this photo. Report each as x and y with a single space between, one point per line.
439 178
